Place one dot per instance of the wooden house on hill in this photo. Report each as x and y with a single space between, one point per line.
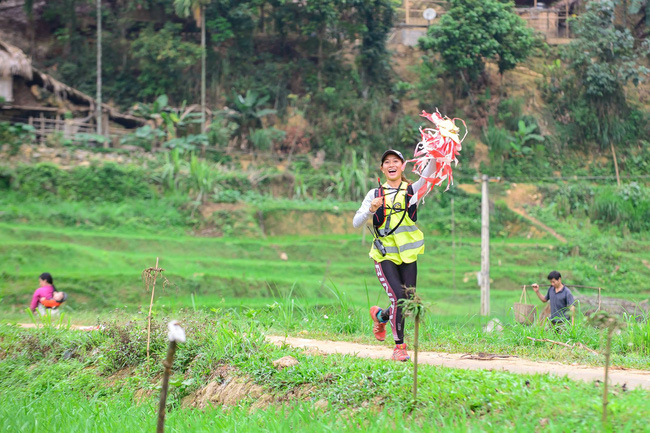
549 17
28 95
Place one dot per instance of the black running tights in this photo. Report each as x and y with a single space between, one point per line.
395 279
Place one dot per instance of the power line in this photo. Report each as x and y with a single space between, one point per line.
641 176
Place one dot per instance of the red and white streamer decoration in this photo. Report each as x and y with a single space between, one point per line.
440 145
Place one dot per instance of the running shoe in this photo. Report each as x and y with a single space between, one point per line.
400 353
378 328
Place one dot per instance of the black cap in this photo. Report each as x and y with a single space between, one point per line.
392 152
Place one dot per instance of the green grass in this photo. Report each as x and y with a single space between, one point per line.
96 266
56 380
101 268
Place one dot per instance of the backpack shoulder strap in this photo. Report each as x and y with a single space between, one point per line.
379 217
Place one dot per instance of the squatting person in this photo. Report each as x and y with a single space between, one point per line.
45 290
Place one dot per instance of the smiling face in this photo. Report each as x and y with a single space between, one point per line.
392 168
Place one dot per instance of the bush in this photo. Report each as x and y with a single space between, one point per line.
39 180
627 206
510 112
6 176
107 182
14 135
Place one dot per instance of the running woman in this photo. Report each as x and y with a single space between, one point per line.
394 226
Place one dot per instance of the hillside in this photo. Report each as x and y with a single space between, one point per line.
199 220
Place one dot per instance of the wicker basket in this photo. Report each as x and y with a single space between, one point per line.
524 312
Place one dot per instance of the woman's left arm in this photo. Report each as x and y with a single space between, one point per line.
427 172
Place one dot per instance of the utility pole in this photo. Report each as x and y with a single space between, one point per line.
99 67
485 244
485 247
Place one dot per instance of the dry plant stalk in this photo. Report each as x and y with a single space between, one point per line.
603 320
149 276
176 335
559 343
413 306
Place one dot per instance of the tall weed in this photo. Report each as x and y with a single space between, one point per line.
353 177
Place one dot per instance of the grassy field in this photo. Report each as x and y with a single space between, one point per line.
231 291
101 270
324 276
56 380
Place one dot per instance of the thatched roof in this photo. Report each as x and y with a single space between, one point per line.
14 62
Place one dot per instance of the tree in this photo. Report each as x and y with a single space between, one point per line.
163 60
473 31
375 22
603 59
320 15
197 7
99 68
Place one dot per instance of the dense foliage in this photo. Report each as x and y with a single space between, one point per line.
627 206
474 31
251 45
589 96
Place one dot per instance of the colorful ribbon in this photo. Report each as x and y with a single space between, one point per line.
440 146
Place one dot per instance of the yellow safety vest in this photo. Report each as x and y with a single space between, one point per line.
407 241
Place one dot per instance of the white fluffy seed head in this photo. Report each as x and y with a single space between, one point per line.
176 333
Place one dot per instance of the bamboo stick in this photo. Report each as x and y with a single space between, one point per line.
153 289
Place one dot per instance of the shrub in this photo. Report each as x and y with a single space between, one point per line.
15 134
39 180
107 182
628 205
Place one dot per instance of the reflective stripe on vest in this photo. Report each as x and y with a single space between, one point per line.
402 248
402 228
407 241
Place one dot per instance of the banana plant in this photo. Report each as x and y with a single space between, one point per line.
247 112
522 136
164 116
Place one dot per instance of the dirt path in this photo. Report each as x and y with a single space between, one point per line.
631 378
619 376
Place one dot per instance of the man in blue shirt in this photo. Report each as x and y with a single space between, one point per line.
560 296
